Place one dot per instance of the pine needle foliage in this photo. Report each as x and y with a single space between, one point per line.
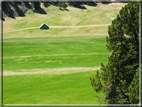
120 76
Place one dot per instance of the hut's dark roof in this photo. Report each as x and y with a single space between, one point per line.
43 26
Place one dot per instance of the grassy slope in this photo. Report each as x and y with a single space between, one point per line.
55 89
102 14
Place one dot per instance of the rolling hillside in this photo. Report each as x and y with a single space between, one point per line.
92 15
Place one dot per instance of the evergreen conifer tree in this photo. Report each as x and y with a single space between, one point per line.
120 75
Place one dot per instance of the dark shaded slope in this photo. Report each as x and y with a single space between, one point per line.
13 9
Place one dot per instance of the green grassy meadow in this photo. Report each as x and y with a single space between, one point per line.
62 49
73 88
50 89
53 53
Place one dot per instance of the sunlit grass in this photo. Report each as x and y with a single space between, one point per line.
30 49
40 53
53 53
50 89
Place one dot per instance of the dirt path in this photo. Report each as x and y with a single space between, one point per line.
20 29
60 27
79 26
55 55
54 71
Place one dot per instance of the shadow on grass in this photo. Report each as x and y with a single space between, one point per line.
106 2
7 10
64 9
3 19
53 3
46 4
40 11
91 4
27 5
80 7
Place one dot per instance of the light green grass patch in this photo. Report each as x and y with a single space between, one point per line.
50 89
53 52
55 45
54 61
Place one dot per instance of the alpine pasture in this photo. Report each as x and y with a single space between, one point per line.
54 66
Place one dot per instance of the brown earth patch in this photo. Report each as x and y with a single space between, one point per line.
55 71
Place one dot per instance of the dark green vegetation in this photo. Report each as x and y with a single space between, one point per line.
119 78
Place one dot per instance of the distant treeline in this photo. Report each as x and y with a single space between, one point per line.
12 9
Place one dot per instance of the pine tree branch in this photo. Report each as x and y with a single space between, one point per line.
124 95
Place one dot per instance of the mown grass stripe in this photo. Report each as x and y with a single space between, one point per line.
56 55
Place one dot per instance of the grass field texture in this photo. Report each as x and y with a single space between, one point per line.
63 86
54 66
